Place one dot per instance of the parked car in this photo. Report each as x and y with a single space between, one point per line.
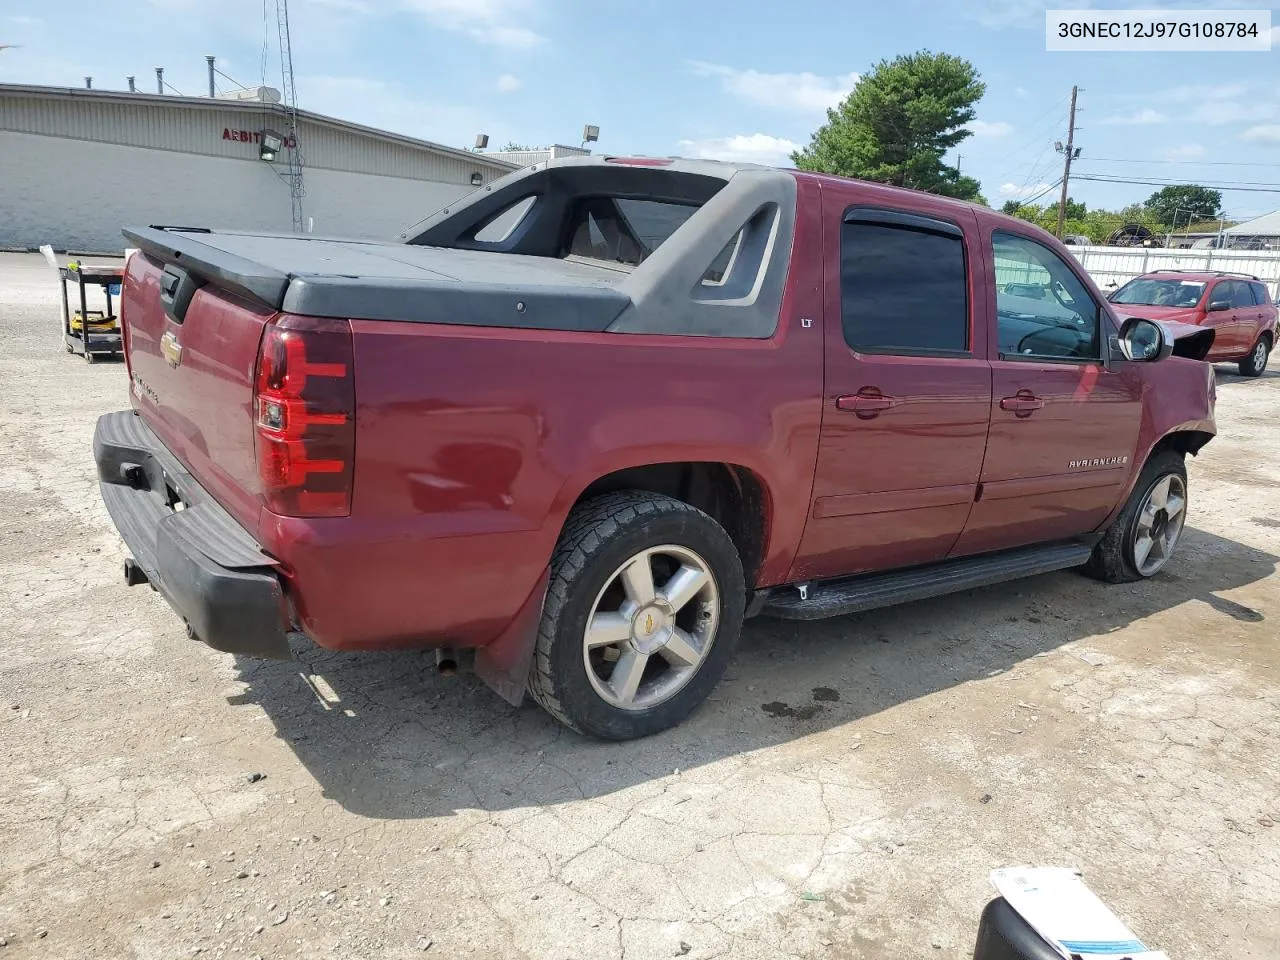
587 419
1236 306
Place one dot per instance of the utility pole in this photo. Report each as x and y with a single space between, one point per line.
1070 153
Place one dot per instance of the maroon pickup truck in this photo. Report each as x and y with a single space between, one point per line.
584 422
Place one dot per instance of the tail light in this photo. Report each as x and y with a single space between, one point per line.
305 406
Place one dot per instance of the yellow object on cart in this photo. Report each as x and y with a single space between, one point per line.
98 322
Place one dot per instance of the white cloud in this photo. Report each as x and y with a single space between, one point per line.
508 83
1015 192
1021 91
1216 113
1263 133
994 130
743 148
798 92
999 14
23 20
494 22
386 106
1200 92
1187 151
1143 117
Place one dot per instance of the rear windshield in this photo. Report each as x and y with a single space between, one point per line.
1160 293
622 230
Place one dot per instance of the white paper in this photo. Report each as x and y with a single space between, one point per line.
1058 905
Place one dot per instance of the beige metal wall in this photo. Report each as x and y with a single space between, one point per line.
74 169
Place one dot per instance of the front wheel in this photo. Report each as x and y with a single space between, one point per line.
1141 541
1256 362
642 615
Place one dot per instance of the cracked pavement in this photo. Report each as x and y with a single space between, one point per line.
844 793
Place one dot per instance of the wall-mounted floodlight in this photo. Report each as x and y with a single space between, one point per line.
590 133
476 179
270 144
482 141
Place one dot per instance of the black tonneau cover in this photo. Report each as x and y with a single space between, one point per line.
326 277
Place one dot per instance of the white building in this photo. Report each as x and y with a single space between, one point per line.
1260 233
76 165
527 158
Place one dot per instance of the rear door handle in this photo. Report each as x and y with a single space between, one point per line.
866 404
1022 404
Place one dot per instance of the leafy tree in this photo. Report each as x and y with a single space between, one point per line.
897 124
1075 211
1183 204
512 145
1011 207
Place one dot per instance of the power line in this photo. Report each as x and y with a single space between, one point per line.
1198 163
1268 188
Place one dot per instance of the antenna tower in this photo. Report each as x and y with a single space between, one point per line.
289 94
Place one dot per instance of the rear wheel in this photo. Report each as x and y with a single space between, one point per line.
642 615
1256 361
1142 539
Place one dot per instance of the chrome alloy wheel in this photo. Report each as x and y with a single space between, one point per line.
644 642
1159 524
1260 353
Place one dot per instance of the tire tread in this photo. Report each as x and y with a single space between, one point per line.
590 526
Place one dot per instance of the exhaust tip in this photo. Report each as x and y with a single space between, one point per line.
134 575
446 662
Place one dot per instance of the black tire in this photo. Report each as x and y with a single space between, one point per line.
1256 362
600 536
1113 559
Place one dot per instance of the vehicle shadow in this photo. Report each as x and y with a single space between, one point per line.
387 737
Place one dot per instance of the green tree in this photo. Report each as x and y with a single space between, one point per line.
1011 207
512 145
1184 204
898 123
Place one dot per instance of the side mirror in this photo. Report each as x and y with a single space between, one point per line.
1219 305
1143 341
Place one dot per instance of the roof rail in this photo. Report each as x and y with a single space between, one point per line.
1212 273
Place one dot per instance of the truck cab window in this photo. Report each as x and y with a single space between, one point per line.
1043 309
620 230
902 290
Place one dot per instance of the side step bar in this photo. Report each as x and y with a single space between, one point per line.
835 598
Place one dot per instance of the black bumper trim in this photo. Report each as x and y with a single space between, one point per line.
237 607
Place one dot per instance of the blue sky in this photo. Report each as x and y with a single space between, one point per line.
744 79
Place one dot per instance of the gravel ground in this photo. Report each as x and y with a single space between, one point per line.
845 793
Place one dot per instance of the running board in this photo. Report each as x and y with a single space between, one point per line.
835 598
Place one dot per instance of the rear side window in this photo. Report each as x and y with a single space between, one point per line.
1235 292
903 290
1260 295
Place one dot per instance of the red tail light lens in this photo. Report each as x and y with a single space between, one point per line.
305 409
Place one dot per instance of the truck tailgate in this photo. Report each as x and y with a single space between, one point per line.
193 382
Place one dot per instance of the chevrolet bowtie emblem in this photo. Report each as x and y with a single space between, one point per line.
171 348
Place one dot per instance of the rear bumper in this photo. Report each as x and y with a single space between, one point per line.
208 567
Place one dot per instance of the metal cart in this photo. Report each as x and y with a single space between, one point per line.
86 341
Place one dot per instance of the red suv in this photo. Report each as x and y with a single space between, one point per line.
1236 306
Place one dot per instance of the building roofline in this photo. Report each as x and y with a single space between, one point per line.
250 106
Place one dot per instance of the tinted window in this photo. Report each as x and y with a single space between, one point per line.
1241 295
621 230
902 290
1260 295
1042 307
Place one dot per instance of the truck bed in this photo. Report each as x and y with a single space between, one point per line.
323 277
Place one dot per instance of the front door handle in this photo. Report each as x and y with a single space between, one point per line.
1022 404
866 404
